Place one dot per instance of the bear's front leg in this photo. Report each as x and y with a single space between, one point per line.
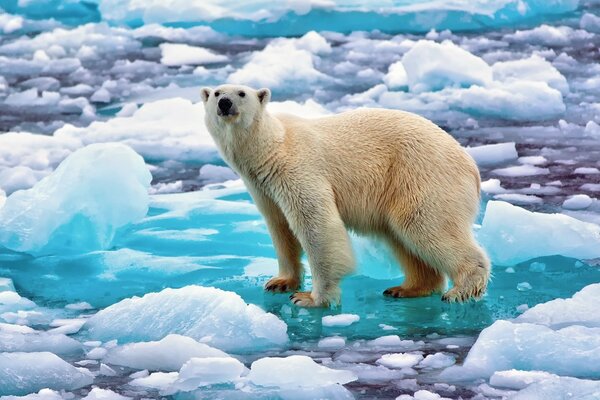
286 245
314 218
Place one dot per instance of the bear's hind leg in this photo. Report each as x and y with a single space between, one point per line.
420 279
470 277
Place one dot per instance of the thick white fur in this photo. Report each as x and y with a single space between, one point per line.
386 173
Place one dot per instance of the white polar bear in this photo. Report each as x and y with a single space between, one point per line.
390 174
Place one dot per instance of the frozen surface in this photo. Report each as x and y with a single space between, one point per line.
216 317
512 234
74 210
295 372
23 373
168 354
340 320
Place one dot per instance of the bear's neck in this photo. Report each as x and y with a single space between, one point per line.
252 147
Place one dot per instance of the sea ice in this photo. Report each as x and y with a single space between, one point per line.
433 66
11 341
283 63
512 235
168 354
437 360
23 373
400 360
175 54
213 316
577 202
104 394
534 68
74 209
295 372
208 371
493 154
340 320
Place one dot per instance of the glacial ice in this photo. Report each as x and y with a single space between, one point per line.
24 373
208 371
493 154
295 372
168 354
212 316
340 320
512 234
432 66
183 54
74 210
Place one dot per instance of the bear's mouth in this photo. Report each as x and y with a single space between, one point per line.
227 114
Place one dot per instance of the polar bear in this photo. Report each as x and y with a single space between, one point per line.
384 173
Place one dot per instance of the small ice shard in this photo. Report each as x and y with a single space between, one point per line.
535 235
176 54
524 286
577 202
340 320
331 343
162 381
493 154
295 372
37 341
23 373
515 379
215 317
104 394
208 371
400 360
437 360
75 210
168 354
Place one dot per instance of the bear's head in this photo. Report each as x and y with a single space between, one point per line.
233 105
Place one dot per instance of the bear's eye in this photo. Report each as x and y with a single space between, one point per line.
217 93
242 93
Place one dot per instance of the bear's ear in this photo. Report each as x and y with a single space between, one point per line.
205 93
264 95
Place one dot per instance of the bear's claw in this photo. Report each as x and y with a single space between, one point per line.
401 292
304 299
281 285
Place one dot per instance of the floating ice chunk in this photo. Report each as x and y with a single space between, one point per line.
560 388
512 235
519 199
340 320
74 209
396 77
101 96
493 154
514 100
537 267
534 68
283 63
208 371
577 202
586 171
506 345
400 360
331 343
421 395
492 186
295 372
11 341
168 354
104 394
216 317
533 160
437 360
515 379
162 381
10 23
23 373
549 35
171 129
580 309
81 306
592 129
44 394
433 66
175 54
67 326
521 170
590 23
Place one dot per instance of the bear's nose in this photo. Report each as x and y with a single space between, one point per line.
225 104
